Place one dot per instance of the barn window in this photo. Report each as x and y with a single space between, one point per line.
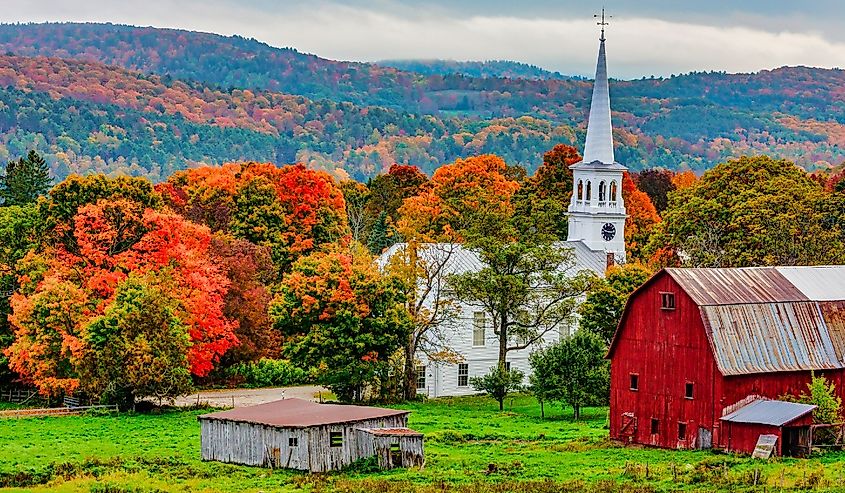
463 375
655 426
479 321
682 431
293 441
507 366
336 438
667 301
635 381
420 376
688 390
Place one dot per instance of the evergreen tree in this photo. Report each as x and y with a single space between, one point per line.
380 235
25 180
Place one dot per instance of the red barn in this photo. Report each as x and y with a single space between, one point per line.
698 350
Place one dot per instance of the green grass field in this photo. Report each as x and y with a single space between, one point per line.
470 447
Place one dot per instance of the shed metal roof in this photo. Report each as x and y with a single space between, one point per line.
299 413
769 412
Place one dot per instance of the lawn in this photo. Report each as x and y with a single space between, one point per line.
470 447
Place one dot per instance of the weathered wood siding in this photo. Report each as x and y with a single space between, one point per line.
411 453
267 446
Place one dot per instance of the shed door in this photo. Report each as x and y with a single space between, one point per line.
705 438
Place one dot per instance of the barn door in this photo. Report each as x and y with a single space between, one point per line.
628 426
705 438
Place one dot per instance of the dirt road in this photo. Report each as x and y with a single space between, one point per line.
249 397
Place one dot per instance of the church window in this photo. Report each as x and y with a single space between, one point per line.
602 192
589 191
479 320
580 190
613 191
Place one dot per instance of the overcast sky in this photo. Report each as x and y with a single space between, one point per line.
645 37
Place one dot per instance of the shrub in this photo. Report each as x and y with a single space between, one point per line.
269 373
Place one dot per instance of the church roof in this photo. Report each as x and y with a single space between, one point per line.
598 149
462 260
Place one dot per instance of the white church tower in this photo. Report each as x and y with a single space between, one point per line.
597 212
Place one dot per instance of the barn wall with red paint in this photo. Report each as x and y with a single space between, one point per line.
666 349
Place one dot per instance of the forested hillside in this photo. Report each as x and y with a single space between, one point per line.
490 68
182 98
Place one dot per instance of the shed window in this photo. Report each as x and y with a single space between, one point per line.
655 426
682 431
336 438
420 376
463 375
507 366
688 390
293 441
667 301
479 321
635 381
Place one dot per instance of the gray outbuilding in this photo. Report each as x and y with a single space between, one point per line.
305 435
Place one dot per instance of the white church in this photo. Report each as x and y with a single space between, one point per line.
596 237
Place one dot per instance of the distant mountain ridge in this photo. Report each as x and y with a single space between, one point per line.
505 69
182 98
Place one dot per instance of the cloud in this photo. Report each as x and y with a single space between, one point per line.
369 31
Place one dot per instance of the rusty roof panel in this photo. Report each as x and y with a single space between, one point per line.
772 337
299 413
737 285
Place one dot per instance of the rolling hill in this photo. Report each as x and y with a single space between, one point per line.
503 69
145 101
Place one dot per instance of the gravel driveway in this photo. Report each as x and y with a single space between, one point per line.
249 397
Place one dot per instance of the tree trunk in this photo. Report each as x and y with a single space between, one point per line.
502 404
503 341
542 410
576 410
410 383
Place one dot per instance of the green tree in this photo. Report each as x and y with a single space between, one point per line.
573 371
25 180
498 383
380 235
753 211
601 310
342 319
140 346
822 394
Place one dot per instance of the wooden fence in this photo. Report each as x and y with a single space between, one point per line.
17 395
52 411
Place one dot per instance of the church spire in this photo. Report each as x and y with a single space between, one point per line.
599 144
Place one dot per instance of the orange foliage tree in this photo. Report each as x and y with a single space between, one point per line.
291 209
64 292
642 218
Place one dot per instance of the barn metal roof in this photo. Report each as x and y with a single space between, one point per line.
299 413
769 337
762 284
769 319
769 412
392 432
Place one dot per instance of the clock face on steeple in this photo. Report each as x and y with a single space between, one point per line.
608 231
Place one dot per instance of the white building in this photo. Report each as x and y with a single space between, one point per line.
596 236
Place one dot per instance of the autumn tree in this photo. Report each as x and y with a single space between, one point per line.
341 318
754 211
21 231
601 310
548 192
139 347
389 190
421 271
24 180
642 219
656 183
63 290
356 195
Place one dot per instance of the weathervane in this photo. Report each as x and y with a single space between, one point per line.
602 23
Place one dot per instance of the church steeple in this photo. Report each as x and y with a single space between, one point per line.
597 209
599 145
